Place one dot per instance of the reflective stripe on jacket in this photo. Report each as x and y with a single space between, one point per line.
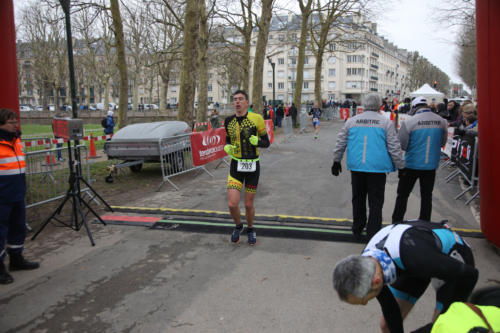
12 171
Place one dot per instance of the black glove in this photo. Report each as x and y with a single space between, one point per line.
402 172
336 168
459 131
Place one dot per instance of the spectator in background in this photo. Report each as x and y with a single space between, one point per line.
293 113
385 105
287 110
460 121
110 123
453 109
214 119
280 113
405 106
443 111
12 197
469 116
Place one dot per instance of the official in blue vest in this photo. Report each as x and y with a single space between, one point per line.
373 149
422 137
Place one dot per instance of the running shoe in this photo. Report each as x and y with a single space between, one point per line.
252 238
235 236
315 137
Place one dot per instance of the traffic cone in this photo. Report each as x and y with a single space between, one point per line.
209 126
92 151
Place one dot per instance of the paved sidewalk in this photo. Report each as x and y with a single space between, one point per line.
141 280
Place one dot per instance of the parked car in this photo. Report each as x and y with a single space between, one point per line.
51 107
151 107
25 108
39 108
111 106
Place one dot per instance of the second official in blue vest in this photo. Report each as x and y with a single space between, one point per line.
422 137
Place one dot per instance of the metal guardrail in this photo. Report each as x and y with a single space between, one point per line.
176 158
47 174
303 120
287 129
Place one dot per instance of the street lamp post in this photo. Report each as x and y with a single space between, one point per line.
274 83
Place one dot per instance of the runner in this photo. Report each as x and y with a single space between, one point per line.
315 112
398 264
244 133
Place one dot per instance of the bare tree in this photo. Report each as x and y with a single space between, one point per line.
260 53
328 17
466 58
241 19
43 34
135 35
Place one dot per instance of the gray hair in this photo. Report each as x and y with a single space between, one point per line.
372 102
353 276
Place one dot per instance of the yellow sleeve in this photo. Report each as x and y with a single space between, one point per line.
259 124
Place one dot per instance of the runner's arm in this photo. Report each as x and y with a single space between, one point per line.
264 141
390 310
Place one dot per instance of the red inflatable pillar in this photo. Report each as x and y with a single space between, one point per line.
9 93
488 86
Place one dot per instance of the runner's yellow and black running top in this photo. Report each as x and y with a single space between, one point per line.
240 129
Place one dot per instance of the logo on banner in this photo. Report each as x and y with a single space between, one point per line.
210 140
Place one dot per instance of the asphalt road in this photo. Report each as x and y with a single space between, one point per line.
141 280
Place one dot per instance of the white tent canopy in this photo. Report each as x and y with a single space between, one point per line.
428 92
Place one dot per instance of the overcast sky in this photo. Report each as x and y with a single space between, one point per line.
414 25
411 25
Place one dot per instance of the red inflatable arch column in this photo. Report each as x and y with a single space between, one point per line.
488 87
9 93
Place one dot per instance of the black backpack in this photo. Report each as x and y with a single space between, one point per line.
104 122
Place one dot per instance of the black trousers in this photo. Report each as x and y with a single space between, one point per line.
372 185
405 186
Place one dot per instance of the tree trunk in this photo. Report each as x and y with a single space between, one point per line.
163 94
260 53
121 63
317 75
135 95
201 115
306 13
189 58
106 93
246 64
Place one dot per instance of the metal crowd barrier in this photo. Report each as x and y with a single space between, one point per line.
328 114
303 121
47 174
176 158
287 129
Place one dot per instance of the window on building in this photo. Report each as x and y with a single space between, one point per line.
306 60
293 85
332 60
281 85
174 89
210 99
270 85
306 85
281 74
281 37
281 97
281 61
270 36
331 85
209 87
210 75
293 61
270 73
331 72
331 47
354 84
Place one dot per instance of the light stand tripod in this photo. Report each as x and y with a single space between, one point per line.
74 194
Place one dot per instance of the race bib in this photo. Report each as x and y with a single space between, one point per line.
315 119
247 166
